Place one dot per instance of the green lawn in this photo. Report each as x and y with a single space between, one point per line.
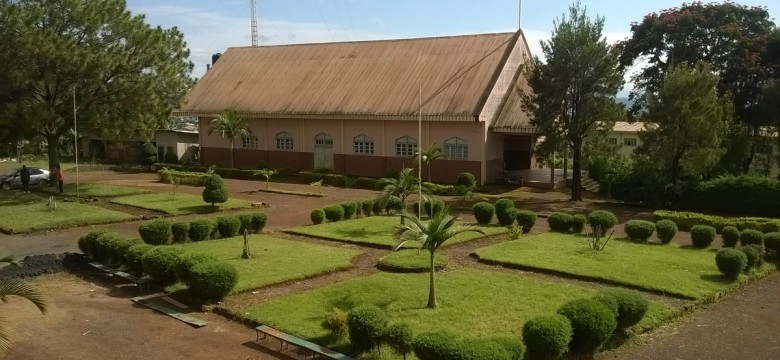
668 268
471 303
375 230
411 260
182 204
20 213
275 260
95 190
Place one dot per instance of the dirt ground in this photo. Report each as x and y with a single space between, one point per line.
92 318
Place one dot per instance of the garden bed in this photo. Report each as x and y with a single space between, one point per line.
22 213
180 204
94 190
411 261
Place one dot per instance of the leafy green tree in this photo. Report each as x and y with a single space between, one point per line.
126 75
769 108
15 287
266 174
431 235
215 191
230 126
687 122
405 185
432 152
730 37
148 154
573 90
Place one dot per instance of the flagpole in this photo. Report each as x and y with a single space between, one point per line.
75 142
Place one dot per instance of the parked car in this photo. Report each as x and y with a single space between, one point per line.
11 180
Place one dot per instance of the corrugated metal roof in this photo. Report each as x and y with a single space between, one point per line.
375 78
626 127
513 119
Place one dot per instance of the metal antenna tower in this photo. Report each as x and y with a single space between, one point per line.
254 22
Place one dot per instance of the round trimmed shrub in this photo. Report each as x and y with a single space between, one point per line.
377 206
435 345
400 337
505 212
367 206
133 257
246 223
350 208
212 280
772 243
514 349
592 324
104 247
86 243
433 206
702 236
631 306
491 348
639 230
761 254
119 248
259 220
336 324
730 235
334 213
180 232
526 219
215 191
547 337
467 180
317 216
160 264
665 230
483 212
186 261
752 254
228 226
731 262
366 325
394 203
155 232
201 229
560 222
577 223
750 237
602 219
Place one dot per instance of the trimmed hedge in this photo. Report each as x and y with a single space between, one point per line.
560 222
753 195
228 226
753 255
483 212
686 220
592 324
246 223
215 192
394 203
547 337
434 206
317 216
505 212
120 246
212 280
259 220
156 232
183 177
437 345
526 219
772 244
731 262
180 232
730 235
186 261
441 190
639 230
201 229
104 247
467 180
334 213
133 257
400 338
665 230
631 306
751 237
336 324
367 206
602 219
366 326
702 236
160 264
577 223
350 208
86 243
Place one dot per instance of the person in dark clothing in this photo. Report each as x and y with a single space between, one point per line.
24 176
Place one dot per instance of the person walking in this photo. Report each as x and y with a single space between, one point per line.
24 176
60 178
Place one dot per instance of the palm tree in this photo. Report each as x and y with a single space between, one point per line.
266 174
431 235
15 287
405 185
230 126
432 152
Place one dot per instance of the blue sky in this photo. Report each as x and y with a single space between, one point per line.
212 26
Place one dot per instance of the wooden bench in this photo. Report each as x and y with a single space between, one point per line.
289 339
139 282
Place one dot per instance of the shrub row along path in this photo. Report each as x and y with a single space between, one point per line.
741 326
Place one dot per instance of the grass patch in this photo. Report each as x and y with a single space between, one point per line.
182 204
94 190
292 192
275 260
21 213
471 303
665 269
376 230
412 260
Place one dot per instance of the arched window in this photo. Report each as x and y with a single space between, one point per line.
284 141
405 146
363 144
456 149
323 139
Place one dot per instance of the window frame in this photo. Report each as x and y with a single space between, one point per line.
285 141
632 142
248 140
456 146
406 146
363 145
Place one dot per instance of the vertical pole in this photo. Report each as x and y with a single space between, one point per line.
520 14
75 142
419 156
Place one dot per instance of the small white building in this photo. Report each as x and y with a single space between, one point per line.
182 143
626 135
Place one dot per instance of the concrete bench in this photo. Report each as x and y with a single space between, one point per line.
139 282
289 339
